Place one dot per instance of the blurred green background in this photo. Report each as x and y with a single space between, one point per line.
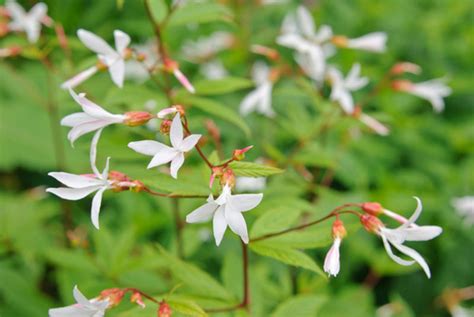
47 245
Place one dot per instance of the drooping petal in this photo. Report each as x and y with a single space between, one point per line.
236 222
219 225
176 132
75 181
265 105
72 193
32 29
203 213
162 157
95 209
331 262
176 164
105 172
79 78
390 253
422 233
38 11
85 128
415 256
372 42
184 81
148 147
93 153
95 110
95 43
122 40
374 124
117 72
250 102
189 142
244 202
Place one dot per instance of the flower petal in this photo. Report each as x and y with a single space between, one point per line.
122 40
38 11
176 132
244 202
85 128
189 142
415 256
79 78
176 164
390 253
95 210
75 181
94 43
162 157
305 22
250 102
79 297
331 262
117 72
95 110
236 222
422 233
203 213
416 214
72 193
76 119
147 147
219 225
93 153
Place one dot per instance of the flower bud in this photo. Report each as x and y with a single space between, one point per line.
405 67
137 298
339 40
10 51
113 295
170 65
171 110
371 223
239 154
372 208
402 85
228 178
274 75
217 171
137 118
141 57
164 310
101 66
118 176
338 229
270 53
127 53
165 127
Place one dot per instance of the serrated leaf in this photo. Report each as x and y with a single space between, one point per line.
185 306
221 86
286 255
253 169
301 306
158 9
274 220
200 13
216 109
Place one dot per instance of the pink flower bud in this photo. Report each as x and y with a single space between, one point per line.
228 178
113 295
371 223
402 85
164 310
372 208
270 53
217 171
137 298
405 67
137 118
165 127
239 154
338 229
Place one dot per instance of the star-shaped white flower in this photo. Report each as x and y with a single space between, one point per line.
80 186
299 33
409 231
83 308
162 153
433 91
30 22
91 119
341 87
114 59
226 210
259 99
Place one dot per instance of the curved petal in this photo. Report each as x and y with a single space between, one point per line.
105 172
16 11
331 261
72 193
250 102
162 157
95 110
38 11
79 78
93 153
122 40
244 202
236 222
85 128
415 256
94 43
176 164
265 105
148 147
76 119
203 213
79 297
95 210
422 233
189 142
390 253
33 30
176 132
117 72
75 181
305 22
416 214
219 225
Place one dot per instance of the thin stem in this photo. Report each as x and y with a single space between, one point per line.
179 227
333 213
198 148
136 290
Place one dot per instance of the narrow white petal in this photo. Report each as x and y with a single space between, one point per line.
79 297
38 11
93 153
16 11
162 157
397 259
305 21
176 132
33 30
117 72
122 40
415 256
85 128
75 181
223 197
95 209
95 110
94 43
219 225
250 102
244 202
416 214
331 262
79 78
105 172
203 213
77 118
189 142
147 147
72 193
176 164
265 106
236 222
422 233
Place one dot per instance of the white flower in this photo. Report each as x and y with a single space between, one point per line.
139 70
29 22
409 231
341 87
433 91
226 210
372 42
250 184
79 186
93 118
331 262
213 70
299 33
259 99
83 308
162 153
465 208
206 47
114 59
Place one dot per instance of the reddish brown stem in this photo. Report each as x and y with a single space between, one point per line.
136 290
198 148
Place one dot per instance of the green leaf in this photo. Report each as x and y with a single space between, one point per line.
253 169
221 86
71 260
195 278
185 306
286 255
216 109
119 4
301 306
275 219
200 13
158 9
